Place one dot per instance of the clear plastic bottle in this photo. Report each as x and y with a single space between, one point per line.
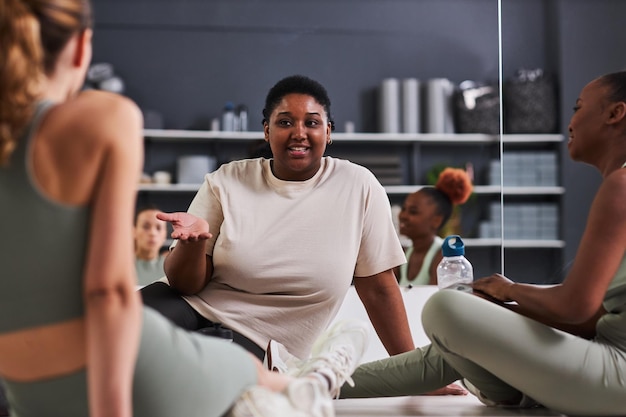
454 271
242 118
228 117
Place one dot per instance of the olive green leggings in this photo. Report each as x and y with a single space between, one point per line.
504 355
177 373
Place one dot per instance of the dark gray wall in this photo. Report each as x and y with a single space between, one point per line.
186 59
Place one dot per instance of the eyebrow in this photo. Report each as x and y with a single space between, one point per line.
308 114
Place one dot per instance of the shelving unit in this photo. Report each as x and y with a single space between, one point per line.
406 156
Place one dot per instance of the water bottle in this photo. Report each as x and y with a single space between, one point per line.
228 117
242 118
454 271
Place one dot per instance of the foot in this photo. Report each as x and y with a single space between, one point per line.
452 389
523 402
304 397
336 354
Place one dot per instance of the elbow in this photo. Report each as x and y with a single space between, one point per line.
578 313
185 288
108 295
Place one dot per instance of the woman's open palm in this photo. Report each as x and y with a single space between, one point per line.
187 227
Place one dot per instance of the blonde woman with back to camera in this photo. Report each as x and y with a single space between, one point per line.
75 339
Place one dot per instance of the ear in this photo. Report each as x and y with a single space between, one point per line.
617 112
266 132
328 130
82 52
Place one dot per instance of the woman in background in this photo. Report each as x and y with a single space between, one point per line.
150 234
74 337
423 214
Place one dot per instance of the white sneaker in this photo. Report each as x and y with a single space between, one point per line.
304 397
278 359
336 354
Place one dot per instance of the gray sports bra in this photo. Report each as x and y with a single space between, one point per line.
44 246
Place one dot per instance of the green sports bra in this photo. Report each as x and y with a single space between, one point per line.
44 247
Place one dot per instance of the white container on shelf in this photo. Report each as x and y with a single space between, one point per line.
193 168
410 105
389 106
438 106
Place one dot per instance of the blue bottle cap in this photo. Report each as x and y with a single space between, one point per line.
453 246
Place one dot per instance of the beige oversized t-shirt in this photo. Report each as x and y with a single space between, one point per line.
285 252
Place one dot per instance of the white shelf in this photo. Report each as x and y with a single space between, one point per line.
484 189
200 135
515 243
551 190
488 243
434 138
534 243
390 189
533 138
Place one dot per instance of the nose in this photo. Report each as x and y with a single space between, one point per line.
299 130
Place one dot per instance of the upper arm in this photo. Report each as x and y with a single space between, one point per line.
600 252
370 287
116 128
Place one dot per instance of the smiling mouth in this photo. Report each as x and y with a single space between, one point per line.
298 150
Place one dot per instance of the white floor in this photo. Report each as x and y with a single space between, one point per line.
427 406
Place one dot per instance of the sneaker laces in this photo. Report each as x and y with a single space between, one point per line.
339 363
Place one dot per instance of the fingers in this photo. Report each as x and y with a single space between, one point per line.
168 217
187 236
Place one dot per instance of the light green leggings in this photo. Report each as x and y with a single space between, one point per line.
177 373
504 355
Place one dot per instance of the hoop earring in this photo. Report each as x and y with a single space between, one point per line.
330 142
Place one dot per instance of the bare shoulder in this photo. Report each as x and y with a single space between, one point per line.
90 133
613 187
101 116
608 206
107 112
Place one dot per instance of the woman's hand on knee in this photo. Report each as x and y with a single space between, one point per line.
495 286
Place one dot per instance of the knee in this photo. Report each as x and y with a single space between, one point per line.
444 311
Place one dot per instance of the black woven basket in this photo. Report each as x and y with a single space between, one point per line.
530 103
477 108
